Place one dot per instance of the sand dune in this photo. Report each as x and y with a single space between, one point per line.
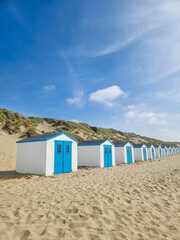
138 201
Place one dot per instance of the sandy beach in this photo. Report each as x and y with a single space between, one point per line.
137 201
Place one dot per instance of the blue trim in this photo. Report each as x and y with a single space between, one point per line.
110 142
92 145
96 144
125 145
141 147
22 141
43 140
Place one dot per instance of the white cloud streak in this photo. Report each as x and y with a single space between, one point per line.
49 88
78 100
138 114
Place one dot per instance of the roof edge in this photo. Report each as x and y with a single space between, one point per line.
43 140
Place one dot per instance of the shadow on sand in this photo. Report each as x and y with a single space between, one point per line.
5 175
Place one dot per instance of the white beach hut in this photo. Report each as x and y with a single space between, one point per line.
173 150
124 152
151 151
164 151
158 150
140 152
177 149
47 154
170 151
96 153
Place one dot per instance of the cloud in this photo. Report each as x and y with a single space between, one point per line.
138 21
75 120
107 95
138 114
49 88
78 100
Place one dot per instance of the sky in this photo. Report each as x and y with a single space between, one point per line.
113 64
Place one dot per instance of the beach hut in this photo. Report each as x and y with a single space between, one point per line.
140 152
124 152
164 151
47 154
174 150
170 151
158 151
96 153
177 150
151 151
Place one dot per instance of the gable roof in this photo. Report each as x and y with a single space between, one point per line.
138 145
156 146
93 142
44 137
121 144
149 145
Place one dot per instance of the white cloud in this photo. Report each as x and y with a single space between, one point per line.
107 95
78 100
162 133
138 114
75 120
49 88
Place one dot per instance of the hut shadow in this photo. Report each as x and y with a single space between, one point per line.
12 174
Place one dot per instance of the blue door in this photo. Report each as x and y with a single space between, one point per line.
153 155
107 156
62 157
160 153
166 151
129 154
144 154
67 166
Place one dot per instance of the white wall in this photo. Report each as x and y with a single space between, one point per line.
119 155
89 156
50 153
149 149
31 157
163 152
169 151
138 155
157 152
102 153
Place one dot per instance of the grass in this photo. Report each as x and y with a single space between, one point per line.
12 122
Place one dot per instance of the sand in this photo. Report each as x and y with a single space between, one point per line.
137 201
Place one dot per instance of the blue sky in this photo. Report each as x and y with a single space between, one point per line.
108 63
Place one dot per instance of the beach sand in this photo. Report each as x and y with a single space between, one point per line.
137 201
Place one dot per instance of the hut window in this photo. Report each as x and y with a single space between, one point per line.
109 150
105 150
59 148
67 148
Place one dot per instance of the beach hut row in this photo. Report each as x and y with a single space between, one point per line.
58 153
